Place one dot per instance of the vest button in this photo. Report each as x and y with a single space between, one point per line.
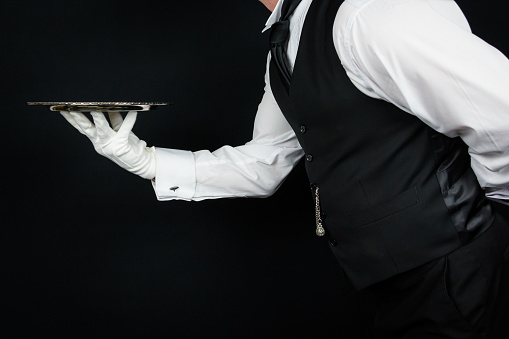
309 157
303 129
334 242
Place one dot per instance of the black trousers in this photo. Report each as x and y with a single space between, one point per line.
457 296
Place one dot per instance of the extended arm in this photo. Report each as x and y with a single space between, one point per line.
255 169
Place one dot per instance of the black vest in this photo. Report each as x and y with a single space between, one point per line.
394 193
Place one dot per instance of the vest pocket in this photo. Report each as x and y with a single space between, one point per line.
402 201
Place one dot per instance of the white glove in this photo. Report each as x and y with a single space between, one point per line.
117 142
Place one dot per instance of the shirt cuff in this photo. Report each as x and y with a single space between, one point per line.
500 195
175 174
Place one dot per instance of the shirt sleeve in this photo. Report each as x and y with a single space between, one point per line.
422 57
255 169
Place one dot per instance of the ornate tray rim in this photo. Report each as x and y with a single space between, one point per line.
102 106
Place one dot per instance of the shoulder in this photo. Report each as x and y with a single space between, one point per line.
395 22
376 19
369 22
376 38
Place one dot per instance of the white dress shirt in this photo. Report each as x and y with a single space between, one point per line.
419 55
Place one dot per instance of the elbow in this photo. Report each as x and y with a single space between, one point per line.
267 188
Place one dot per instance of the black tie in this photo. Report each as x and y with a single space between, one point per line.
278 36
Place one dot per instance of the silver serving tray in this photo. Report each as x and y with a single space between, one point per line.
101 106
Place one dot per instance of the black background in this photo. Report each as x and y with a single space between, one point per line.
87 248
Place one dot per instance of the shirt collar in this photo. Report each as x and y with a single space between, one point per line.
276 13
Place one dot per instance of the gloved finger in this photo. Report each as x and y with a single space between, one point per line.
86 126
127 125
71 120
116 120
102 126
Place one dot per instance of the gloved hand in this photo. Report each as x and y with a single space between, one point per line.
117 142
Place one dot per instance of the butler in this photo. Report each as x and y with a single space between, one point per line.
402 117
